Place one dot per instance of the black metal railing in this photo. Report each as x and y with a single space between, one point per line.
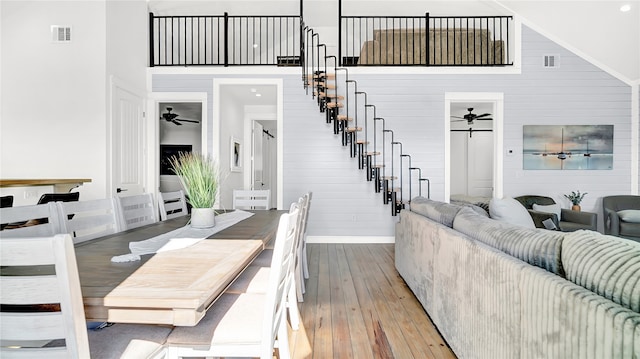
225 40
424 40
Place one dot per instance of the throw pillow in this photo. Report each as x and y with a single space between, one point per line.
552 208
629 215
511 211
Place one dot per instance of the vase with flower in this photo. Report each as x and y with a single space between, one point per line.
575 197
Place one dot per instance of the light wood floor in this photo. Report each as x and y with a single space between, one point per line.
356 305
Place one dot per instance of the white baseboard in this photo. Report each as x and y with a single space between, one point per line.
351 239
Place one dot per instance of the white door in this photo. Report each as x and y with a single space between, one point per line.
258 180
459 160
128 160
480 164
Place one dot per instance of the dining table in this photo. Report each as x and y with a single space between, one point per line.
173 287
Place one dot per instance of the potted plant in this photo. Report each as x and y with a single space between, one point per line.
575 198
199 177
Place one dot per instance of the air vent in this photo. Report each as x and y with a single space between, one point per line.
60 33
551 61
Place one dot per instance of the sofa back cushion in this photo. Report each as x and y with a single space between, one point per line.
441 212
538 247
606 265
511 211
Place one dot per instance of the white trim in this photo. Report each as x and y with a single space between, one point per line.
351 239
279 83
497 100
153 132
635 134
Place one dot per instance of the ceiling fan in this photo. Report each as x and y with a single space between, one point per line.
171 117
470 117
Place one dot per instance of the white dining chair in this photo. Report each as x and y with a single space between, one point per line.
30 221
90 219
247 324
42 310
303 240
251 199
255 278
136 211
172 205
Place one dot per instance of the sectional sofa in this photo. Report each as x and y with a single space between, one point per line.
499 290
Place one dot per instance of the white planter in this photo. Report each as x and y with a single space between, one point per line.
203 217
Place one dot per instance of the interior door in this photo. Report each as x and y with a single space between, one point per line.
128 141
480 164
258 180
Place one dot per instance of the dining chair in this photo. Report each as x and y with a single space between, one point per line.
86 220
172 205
30 221
42 310
59 197
255 278
136 211
247 324
251 199
6 201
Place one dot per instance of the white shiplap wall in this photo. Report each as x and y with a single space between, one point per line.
413 106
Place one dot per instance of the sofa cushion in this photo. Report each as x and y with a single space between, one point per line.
441 212
606 265
630 215
535 246
551 208
510 211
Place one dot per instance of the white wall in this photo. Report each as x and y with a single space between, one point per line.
231 125
53 95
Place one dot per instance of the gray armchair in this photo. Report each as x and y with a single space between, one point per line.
569 220
613 224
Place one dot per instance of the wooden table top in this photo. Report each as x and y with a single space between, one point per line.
41 181
174 287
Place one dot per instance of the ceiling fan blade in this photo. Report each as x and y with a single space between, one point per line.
457 117
193 121
484 119
483 115
459 121
176 122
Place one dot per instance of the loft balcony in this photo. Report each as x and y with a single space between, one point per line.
281 40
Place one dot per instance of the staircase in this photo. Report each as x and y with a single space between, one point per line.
369 139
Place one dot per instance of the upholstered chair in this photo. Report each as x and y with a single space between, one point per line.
622 216
564 219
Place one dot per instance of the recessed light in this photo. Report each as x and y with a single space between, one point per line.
625 8
255 46
258 95
253 90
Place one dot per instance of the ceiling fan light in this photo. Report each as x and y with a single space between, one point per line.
625 8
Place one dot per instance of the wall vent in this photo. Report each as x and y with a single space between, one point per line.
551 61
60 33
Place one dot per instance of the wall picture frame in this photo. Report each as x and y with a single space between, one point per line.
235 155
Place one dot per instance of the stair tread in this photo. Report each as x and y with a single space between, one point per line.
389 178
375 153
344 118
335 104
354 129
363 142
377 166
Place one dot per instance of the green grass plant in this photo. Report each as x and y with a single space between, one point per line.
199 177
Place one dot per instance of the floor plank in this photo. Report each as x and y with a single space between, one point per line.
356 305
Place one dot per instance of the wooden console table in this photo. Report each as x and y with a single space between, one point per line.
59 185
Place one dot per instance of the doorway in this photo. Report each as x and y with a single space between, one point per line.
182 128
473 145
243 110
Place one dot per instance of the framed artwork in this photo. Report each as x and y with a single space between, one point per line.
235 152
570 147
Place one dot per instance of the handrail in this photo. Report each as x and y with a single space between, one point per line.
425 40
